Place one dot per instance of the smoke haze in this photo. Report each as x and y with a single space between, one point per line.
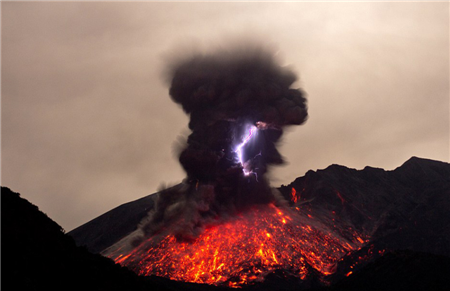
88 125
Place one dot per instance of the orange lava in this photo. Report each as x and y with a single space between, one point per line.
241 251
294 197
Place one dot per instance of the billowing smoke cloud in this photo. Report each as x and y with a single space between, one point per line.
231 97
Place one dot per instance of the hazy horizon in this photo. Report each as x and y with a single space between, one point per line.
88 124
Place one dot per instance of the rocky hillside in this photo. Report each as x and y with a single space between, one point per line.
406 208
37 255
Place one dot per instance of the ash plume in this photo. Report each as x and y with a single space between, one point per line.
238 102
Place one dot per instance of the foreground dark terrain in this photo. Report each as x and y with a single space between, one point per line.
403 213
38 255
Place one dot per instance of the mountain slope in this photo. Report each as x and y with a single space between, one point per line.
402 216
111 226
411 201
101 232
406 208
37 255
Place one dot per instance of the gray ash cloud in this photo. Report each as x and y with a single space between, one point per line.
226 93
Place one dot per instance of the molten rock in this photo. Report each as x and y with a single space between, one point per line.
244 250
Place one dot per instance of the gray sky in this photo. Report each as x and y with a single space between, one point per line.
87 123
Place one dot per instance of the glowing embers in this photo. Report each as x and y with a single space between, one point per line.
239 148
294 196
241 251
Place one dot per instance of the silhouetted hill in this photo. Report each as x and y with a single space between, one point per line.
398 271
406 208
37 255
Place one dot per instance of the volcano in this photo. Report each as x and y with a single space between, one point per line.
330 224
224 225
243 250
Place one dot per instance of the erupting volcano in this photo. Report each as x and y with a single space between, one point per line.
226 225
243 250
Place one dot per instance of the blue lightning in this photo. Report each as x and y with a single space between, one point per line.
238 150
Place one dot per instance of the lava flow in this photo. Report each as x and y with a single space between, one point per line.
242 250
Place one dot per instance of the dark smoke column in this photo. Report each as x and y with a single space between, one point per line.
226 95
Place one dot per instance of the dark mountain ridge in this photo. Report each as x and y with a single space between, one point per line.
406 208
372 201
401 214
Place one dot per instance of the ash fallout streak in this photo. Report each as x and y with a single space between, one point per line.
238 102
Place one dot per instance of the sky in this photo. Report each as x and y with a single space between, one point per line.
87 123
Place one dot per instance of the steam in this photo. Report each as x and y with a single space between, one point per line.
227 94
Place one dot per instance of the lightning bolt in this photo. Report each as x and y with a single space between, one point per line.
238 150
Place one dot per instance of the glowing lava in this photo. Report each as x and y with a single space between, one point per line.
242 250
294 197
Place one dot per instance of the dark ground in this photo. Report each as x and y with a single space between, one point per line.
413 228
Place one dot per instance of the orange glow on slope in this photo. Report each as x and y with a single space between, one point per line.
241 251
294 197
360 239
